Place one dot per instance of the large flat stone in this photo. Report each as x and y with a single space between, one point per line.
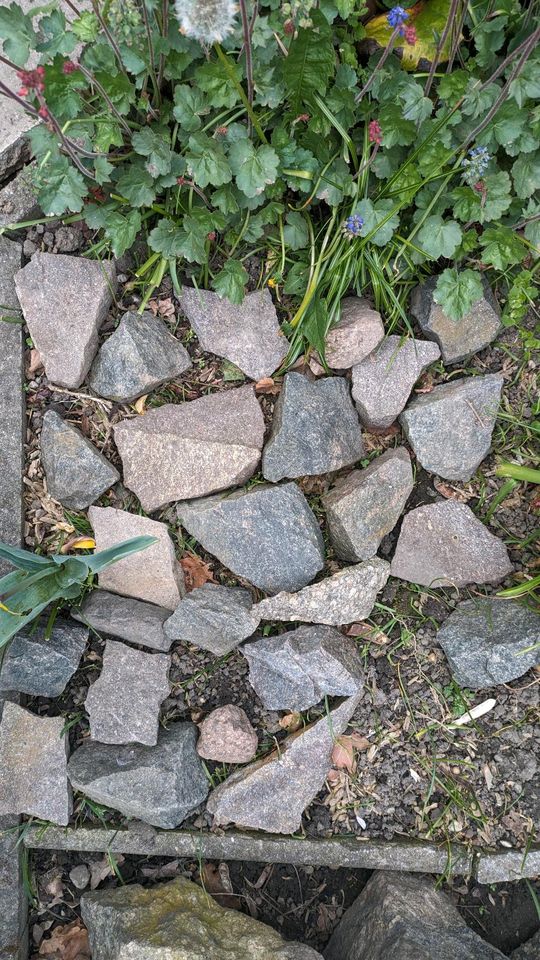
246 334
345 597
356 334
271 794
42 666
213 617
443 544
137 358
123 703
18 199
315 429
187 450
132 620
450 428
161 785
33 757
13 897
267 535
486 641
458 339
153 574
77 473
12 405
362 508
65 300
382 383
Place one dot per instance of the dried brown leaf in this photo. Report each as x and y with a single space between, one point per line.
217 882
291 722
69 942
196 571
267 385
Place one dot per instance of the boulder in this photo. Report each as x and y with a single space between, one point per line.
213 617
362 508
123 703
77 473
153 574
382 383
65 300
404 916
356 334
42 666
443 544
137 358
226 736
267 535
271 794
187 450
458 339
132 620
161 785
315 429
450 428
178 921
33 757
346 597
294 670
488 641
246 334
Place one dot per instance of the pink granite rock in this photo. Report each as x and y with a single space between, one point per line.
226 735
358 331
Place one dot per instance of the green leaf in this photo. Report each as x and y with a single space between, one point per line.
119 90
469 204
104 558
429 19
416 106
213 79
103 170
62 188
120 229
86 27
225 200
167 238
396 129
190 106
439 238
295 232
457 291
148 143
374 214
526 175
488 38
108 134
520 299
137 186
230 282
501 247
17 32
62 94
206 161
57 38
508 124
310 63
296 280
254 167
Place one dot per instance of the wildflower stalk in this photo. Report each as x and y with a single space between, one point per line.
151 56
241 93
164 32
440 46
246 29
101 90
386 53
108 34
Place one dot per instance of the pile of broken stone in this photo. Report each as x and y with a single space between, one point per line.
192 455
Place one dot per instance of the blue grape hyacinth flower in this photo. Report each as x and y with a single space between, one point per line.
396 18
475 165
352 226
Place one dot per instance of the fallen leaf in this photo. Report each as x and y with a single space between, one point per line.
474 713
140 404
35 361
69 942
373 634
291 722
78 543
101 869
196 571
343 754
217 882
165 308
452 493
425 385
267 385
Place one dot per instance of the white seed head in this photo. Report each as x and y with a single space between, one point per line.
208 21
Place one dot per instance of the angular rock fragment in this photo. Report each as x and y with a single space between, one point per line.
246 334
132 620
33 757
153 574
294 670
267 535
443 544
65 300
178 921
362 508
18 199
356 334
187 450
77 473
450 428
486 641
161 785
226 736
530 950
10 262
382 383
42 666
271 794
404 916
123 703
345 597
315 429
137 358
458 339
213 617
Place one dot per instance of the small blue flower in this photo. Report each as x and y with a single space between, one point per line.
397 17
475 165
352 226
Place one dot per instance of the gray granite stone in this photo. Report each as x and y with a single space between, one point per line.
65 300
315 429
486 641
33 756
132 620
246 334
77 473
450 428
508 865
18 199
12 405
123 703
226 736
13 896
443 544
382 383
356 334
294 670
362 508
267 535
213 617
39 666
346 597
458 339
530 950
271 794
187 450
153 574
10 263
405 917
161 785
137 358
